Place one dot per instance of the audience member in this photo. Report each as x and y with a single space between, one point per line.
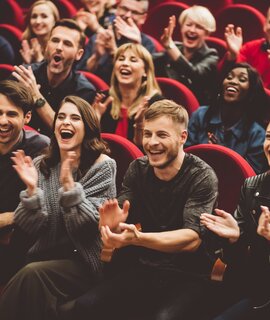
247 249
53 79
39 20
100 50
59 210
95 14
255 52
133 88
7 54
230 120
190 61
15 111
165 192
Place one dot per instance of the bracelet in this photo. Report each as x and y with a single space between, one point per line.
138 125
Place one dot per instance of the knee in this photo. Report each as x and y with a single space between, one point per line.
29 271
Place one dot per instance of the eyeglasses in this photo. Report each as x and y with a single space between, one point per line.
125 10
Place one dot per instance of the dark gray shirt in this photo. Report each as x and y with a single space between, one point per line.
170 205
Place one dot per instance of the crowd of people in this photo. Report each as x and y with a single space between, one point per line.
59 208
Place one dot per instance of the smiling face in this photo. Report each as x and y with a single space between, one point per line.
193 34
236 85
12 120
129 69
163 142
266 145
137 10
69 129
42 20
62 50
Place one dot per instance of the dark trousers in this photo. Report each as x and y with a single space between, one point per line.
144 293
35 292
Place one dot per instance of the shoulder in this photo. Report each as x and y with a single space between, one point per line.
200 112
38 66
199 168
253 43
256 130
147 42
34 142
82 82
138 166
255 181
103 164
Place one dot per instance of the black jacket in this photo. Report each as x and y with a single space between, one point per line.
249 258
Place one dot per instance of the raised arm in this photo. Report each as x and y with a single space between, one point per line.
26 76
234 40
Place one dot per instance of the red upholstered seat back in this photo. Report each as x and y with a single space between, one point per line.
231 170
123 152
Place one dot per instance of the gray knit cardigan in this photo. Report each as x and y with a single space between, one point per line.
40 215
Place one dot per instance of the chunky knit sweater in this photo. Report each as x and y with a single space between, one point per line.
51 210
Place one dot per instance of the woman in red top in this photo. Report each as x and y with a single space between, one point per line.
133 88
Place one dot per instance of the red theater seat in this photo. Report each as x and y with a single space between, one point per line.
178 92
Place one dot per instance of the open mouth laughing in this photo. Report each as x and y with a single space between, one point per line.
66 134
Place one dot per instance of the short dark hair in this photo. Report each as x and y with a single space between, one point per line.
18 94
73 25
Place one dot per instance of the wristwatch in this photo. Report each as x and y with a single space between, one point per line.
170 45
40 102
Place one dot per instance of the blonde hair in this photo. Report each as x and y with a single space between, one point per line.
149 85
170 109
28 33
201 15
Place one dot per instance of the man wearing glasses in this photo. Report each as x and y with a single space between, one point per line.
129 17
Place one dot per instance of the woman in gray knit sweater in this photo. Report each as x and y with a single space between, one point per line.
59 211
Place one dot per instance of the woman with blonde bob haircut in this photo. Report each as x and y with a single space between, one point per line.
133 88
191 61
39 21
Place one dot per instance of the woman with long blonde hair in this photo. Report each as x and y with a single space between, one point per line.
39 20
133 88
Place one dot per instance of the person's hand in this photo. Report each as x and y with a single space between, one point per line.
264 223
37 54
234 40
223 224
87 19
111 215
128 29
100 43
66 177
99 105
110 42
26 52
26 170
139 116
127 236
212 139
166 37
27 77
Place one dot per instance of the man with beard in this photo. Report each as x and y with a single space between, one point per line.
53 79
163 270
15 112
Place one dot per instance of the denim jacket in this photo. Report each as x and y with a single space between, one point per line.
248 144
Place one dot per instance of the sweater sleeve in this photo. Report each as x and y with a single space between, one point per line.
80 205
31 214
